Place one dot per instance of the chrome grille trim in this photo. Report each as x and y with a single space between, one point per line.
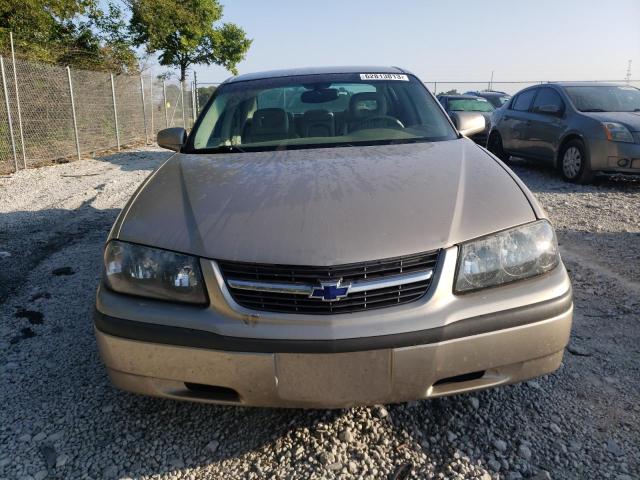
355 287
297 289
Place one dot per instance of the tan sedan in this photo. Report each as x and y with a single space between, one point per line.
327 238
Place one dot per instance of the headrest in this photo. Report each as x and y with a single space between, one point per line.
367 104
318 115
270 120
318 123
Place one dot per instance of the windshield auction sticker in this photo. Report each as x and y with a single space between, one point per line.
384 76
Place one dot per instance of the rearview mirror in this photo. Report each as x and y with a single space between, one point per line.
550 109
172 138
319 96
468 123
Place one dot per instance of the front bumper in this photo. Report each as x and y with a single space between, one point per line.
615 157
338 380
440 345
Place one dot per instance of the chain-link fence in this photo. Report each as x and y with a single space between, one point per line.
51 113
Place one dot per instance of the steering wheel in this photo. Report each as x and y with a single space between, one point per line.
378 121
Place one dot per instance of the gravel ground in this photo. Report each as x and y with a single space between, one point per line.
60 418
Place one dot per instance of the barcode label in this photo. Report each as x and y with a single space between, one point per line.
384 76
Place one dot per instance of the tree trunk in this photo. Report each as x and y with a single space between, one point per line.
183 72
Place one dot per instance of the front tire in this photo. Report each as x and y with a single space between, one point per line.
574 163
494 145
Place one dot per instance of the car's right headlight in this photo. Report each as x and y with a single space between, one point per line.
507 256
616 132
153 273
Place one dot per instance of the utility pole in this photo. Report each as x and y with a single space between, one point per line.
628 77
491 81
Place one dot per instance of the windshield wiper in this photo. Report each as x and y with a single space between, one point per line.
223 149
399 141
234 148
593 110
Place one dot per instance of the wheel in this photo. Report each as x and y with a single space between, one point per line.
494 145
574 163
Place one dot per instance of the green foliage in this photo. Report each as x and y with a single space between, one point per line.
93 35
453 91
187 33
70 32
204 93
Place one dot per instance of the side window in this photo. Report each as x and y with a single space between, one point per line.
548 97
523 100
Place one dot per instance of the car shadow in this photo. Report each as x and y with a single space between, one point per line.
134 159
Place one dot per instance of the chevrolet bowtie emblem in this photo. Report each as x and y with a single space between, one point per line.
331 291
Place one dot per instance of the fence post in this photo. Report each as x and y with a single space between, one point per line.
115 112
152 105
6 99
15 81
144 111
182 103
73 112
195 86
193 105
164 100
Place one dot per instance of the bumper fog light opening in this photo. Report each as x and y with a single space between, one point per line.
623 162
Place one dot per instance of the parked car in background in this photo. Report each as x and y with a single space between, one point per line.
581 128
496 98
326 238
467 103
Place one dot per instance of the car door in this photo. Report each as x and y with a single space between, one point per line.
513 124
547 124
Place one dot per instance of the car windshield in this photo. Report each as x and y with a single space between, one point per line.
598 98
470 105
319 111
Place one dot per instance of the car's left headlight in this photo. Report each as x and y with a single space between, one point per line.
507 256
152 272
616 132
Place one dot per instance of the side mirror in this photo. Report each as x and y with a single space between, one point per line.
172 138
549 109
469 123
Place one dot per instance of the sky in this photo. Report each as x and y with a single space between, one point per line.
460 40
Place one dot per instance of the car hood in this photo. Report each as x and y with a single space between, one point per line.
324 206
630 119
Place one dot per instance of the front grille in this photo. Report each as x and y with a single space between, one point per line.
355 302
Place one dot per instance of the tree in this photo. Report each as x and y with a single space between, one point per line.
204 93
185 33
117 42
68 32
453 91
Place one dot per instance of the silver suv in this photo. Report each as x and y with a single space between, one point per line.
326 238
579 128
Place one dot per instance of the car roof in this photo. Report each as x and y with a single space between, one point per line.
492 93
313 71
586 84
459 96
